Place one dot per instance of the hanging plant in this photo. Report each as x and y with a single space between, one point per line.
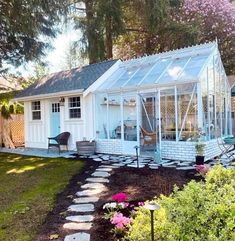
5 111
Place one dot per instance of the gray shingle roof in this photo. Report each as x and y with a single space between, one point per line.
74 79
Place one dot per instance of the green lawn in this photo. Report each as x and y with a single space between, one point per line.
28 186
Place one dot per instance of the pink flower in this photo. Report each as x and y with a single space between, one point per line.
202 169
119 197
119 220
140 203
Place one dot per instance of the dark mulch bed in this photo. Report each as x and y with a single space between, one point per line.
139 185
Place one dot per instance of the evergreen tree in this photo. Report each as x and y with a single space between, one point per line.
23 23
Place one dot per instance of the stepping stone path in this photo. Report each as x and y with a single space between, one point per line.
84 205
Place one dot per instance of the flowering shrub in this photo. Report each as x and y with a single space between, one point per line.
119 197
120 221
201 211
119 213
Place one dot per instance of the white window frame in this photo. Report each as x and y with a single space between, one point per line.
36 110
76 107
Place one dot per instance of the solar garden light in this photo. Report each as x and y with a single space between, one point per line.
152 206
137 155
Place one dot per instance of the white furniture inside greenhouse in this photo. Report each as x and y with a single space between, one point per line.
164 103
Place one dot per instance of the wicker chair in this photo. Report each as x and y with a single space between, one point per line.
149 138
61 140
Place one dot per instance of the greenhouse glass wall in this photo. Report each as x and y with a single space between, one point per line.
164 103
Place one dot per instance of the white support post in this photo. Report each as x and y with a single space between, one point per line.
214 80
208 103
176 115
107 116
138 119
199 107
230 114
160 122
226 108
122 121
220 84
94 107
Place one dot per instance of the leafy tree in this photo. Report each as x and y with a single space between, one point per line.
216 19
151 28
23 23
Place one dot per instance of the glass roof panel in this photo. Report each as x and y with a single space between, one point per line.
156 72
174 70
190 73
129 69
112 79
139 74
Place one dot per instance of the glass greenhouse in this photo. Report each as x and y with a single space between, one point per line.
164 103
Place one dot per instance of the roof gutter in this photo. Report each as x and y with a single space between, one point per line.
49 96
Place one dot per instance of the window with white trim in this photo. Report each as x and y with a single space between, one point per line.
36 110
74 107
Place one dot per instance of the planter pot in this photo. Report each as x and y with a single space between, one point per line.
86 147
200 160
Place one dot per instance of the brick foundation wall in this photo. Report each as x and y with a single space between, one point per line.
184 151
109 146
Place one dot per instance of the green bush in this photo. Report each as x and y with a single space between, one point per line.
201 211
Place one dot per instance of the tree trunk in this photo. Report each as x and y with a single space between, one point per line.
108 38
92 45
148 44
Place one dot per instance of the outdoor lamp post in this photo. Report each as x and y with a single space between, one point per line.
137 155
152 206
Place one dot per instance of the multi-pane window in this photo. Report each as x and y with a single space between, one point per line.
74 107
36 110
55 107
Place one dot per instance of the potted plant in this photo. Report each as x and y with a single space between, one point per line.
199 147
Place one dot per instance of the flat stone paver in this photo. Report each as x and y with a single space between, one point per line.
97 179
80 218
93 186
77 226
86 200
81 236
89 192
107 166
118 164
104 169
185 168
86 207
100 174
135 165
97 159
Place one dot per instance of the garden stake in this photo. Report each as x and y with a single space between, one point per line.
137 156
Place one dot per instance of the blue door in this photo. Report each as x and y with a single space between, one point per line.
55 119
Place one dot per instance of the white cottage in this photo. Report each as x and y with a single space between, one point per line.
157 102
